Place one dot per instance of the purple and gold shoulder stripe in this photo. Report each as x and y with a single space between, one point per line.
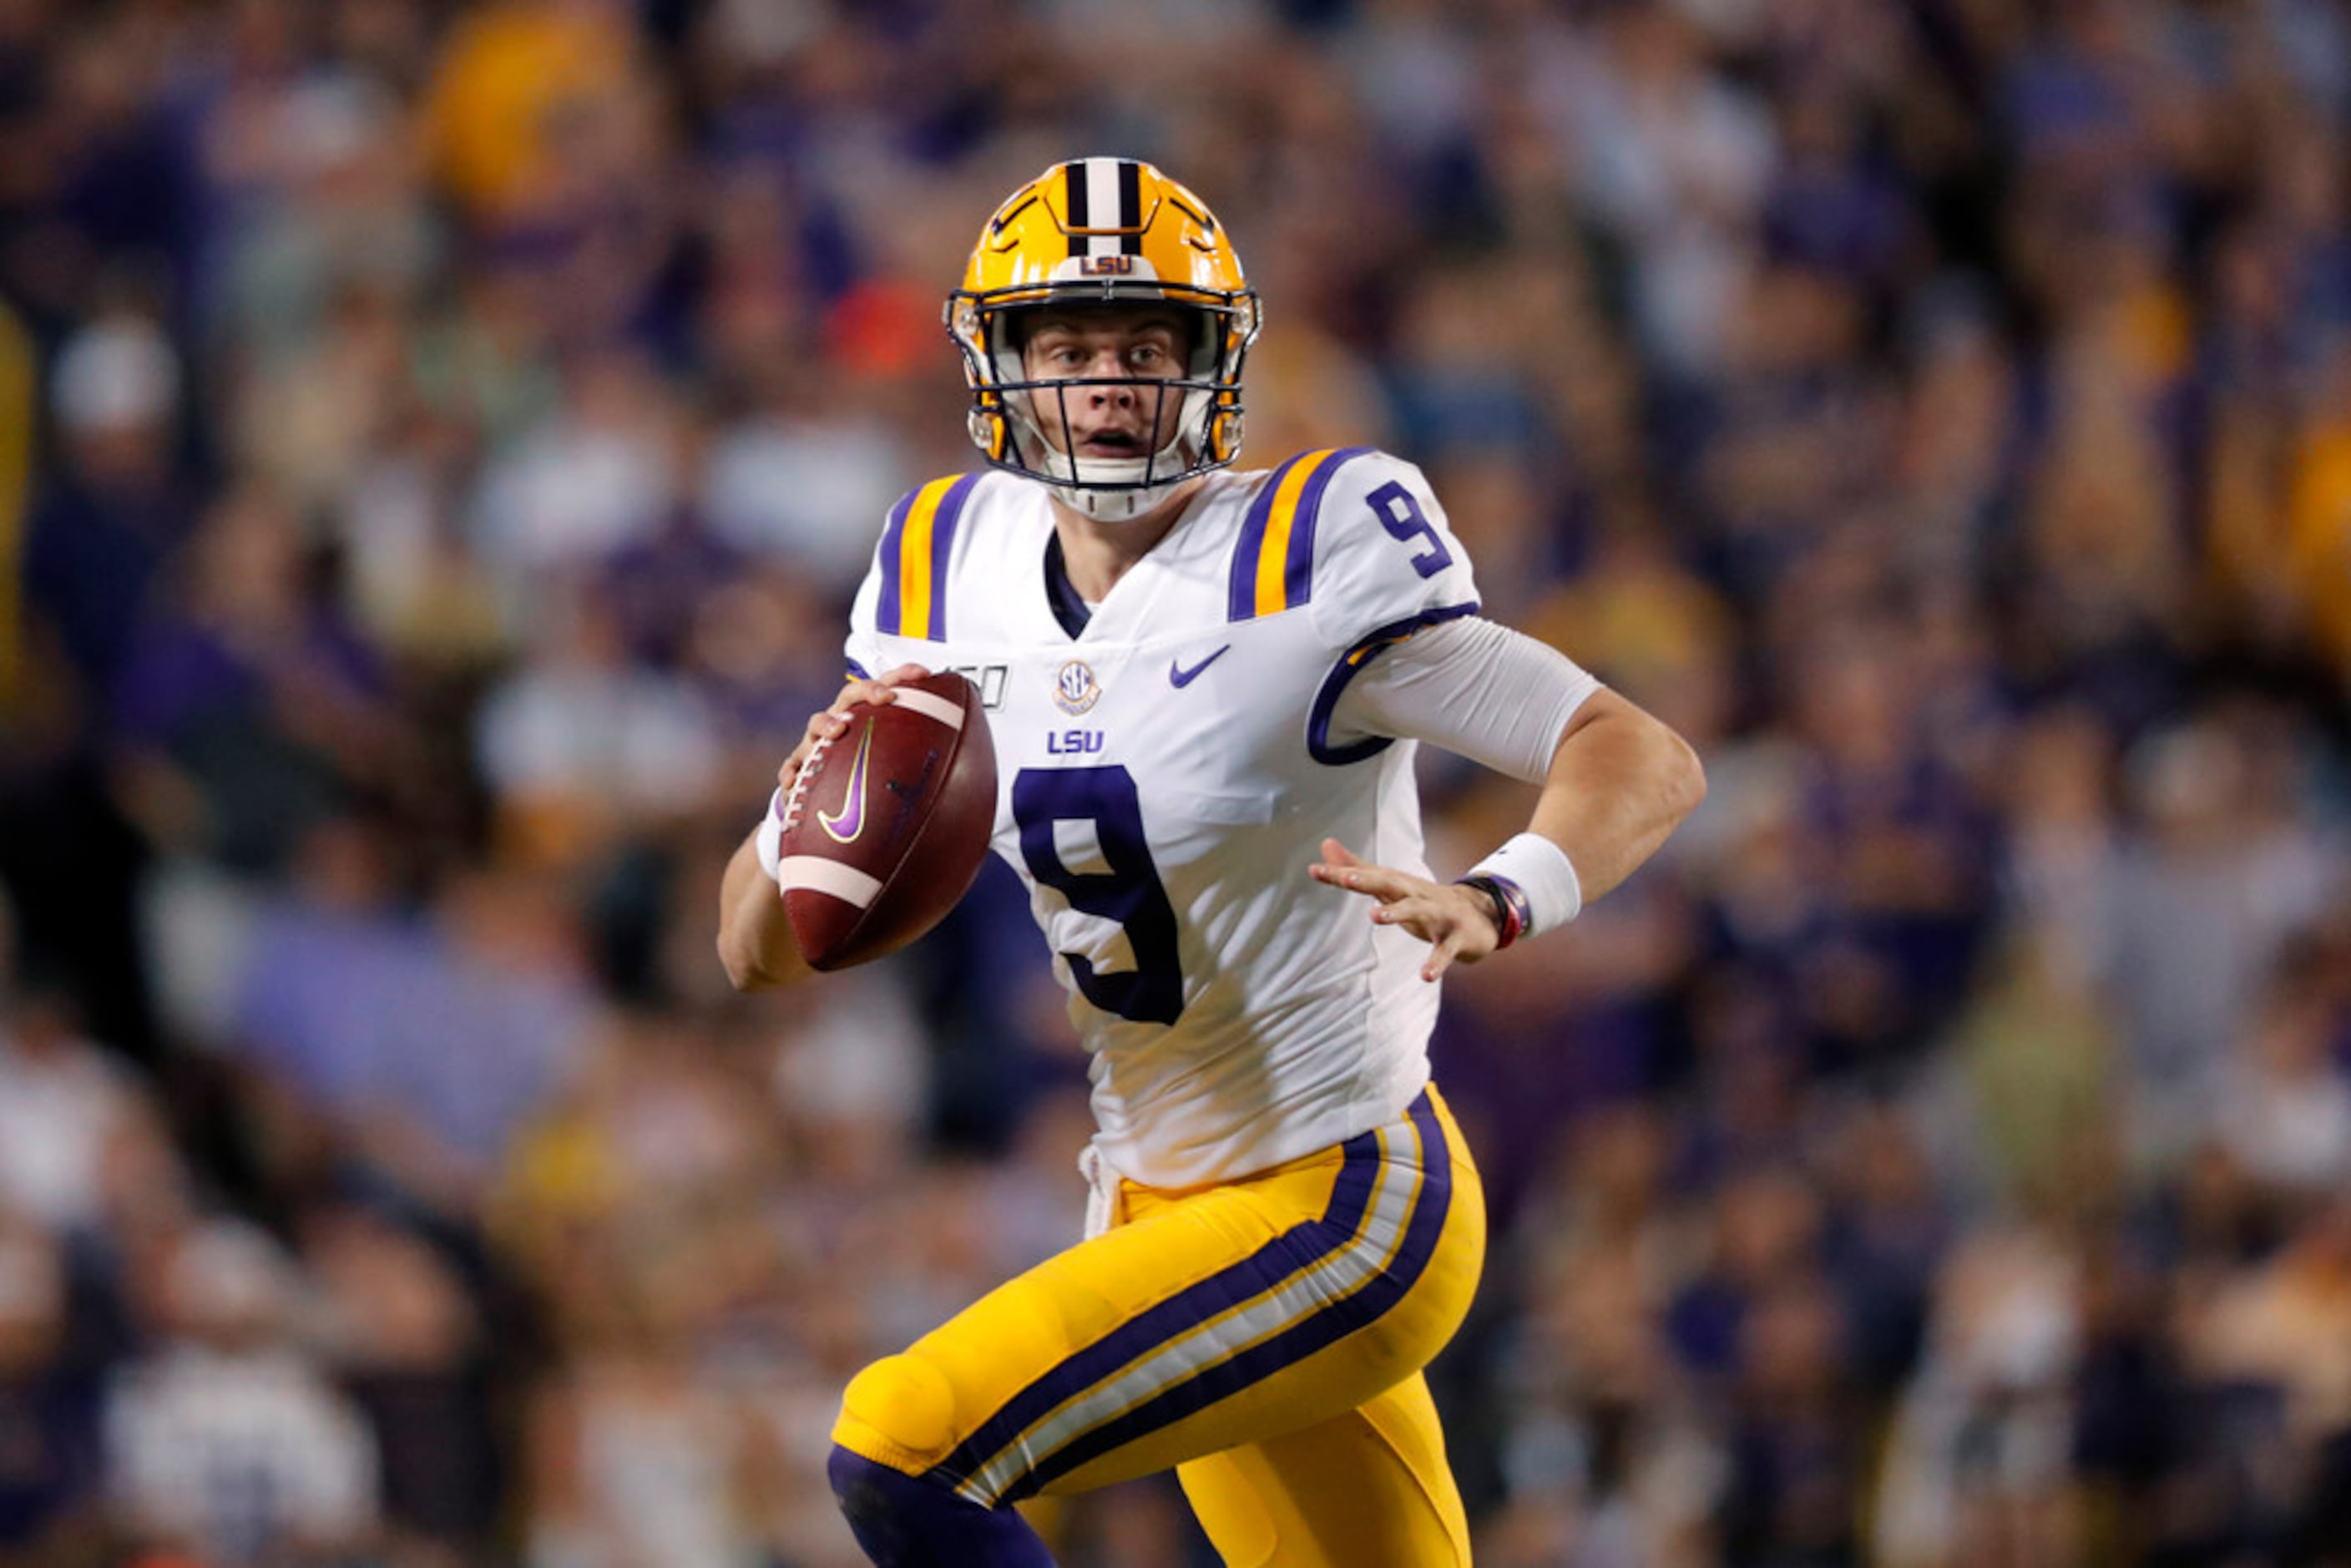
917 544
1274 568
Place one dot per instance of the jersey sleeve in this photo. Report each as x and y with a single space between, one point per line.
1385 558
1384 566
862 653
1477 689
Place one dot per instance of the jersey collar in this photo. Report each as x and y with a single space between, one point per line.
1061 593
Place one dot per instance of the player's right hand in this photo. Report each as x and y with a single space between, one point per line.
833 722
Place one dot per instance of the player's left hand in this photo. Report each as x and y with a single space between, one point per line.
1456 921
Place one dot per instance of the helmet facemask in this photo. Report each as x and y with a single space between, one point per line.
1206 431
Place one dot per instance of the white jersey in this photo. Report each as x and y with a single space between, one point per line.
1167 776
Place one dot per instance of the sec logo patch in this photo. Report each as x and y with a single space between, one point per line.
1075 689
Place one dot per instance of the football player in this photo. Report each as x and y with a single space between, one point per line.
1205 689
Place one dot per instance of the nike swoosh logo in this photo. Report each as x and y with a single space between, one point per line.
1179 677
845 824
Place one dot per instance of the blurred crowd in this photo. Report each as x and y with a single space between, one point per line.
437 441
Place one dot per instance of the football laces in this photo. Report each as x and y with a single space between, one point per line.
799 795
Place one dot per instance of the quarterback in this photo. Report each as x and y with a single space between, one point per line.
1204 687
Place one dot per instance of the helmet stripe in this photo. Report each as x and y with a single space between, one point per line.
1074 198
1103 198
1205 221
1129 206
998 224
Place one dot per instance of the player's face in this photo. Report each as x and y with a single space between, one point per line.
1105 348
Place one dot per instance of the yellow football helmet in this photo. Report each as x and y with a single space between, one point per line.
1104 231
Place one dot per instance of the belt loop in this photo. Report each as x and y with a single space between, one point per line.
1104 1202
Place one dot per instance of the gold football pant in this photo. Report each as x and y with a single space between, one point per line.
1265 1337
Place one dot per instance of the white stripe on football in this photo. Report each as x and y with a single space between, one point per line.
817 874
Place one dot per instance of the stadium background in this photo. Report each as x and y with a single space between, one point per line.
437 443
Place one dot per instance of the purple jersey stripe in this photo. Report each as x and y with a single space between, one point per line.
1241 602
1294 1344
1300 1248
1297 566
943 533
886 611
1350 663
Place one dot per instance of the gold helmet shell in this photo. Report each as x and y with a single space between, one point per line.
1097 231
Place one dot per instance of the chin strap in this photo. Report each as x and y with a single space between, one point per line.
1110 505
1060 474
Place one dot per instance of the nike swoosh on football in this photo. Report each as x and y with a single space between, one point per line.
1179 677
852 804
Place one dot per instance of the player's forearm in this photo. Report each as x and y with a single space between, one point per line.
755 939
1620 782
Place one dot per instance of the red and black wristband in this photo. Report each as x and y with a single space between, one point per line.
1513 915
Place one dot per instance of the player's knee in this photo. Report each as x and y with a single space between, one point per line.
906 1522
887 1508
902 1409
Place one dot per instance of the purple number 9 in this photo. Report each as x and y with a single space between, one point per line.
1129 893
1402 516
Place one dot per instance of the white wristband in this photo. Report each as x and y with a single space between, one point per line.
768 841
1543 872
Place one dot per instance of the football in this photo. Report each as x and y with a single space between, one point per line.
886 825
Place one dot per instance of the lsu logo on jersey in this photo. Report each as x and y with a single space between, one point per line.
1075 690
